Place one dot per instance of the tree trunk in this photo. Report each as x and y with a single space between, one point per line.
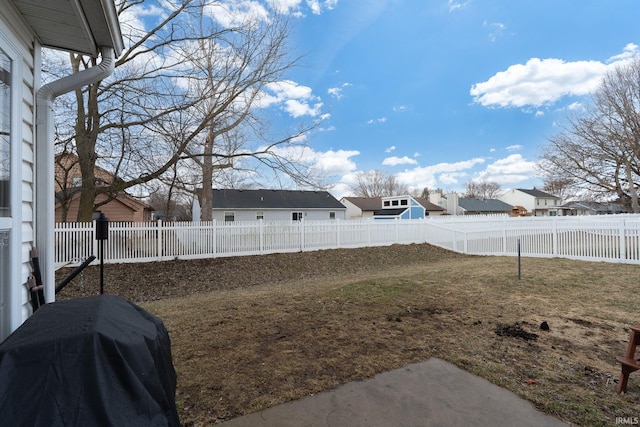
206 202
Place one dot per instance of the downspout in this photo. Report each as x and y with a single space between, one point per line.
44 160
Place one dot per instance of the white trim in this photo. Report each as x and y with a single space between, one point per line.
10 298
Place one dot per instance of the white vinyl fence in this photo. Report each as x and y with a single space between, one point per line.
592 238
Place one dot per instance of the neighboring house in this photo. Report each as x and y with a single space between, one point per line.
576 208
590 208
430 209
361 207
68 179
453 204
26 127
123 208
536 202
275 205
406 207
468 206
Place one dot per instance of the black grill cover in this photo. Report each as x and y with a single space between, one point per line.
96 361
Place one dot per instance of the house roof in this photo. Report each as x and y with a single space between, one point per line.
274 199
366 203
428 205
122 197
81 26
483 205
537 193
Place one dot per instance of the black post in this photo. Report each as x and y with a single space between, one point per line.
102 234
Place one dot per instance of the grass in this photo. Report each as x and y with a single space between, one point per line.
244 349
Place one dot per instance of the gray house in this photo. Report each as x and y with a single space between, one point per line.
275 205
468 206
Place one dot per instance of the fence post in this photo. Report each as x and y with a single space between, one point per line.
160 239
466 242
301 226
554 236
504 238
623 240
261 236
214 224
93 236
337 232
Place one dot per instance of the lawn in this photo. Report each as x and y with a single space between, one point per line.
252 332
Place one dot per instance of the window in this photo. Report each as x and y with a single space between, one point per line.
5 134
332 215
259 215
404 202
296 216
394 203
229 216
386 203
9 249
76 181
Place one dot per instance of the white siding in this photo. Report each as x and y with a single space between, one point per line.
18 41
278 214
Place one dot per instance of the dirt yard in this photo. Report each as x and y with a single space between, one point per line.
252 332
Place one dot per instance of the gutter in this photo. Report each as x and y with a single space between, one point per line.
44 159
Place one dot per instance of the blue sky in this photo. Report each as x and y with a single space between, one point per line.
440 92
437 92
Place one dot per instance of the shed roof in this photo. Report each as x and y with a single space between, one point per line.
274 199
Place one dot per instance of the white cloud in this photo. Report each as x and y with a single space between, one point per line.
514 147
538 82
293 98
336 92
395 161
317 6
509 170
235 13
436 175
328 163
628 52
378 120
541 82
285 6
400 108
457 4
496 29
297 108
390 149
334 163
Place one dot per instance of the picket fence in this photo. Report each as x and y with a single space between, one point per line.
592 238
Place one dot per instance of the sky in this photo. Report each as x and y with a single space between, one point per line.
440 92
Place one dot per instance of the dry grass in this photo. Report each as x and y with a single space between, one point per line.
320 319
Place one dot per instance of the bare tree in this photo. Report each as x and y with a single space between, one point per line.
142 121
376 183
562 187
599 152
481 189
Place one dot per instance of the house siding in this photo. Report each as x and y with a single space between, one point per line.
277 214
114 210
17 41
